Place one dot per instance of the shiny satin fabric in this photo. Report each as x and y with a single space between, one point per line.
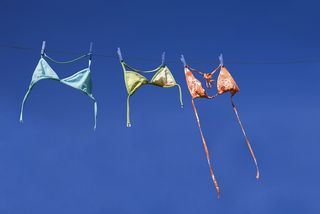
80 81
134 80
226 82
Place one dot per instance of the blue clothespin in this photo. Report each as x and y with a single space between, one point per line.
183 60
43 47
90 50
163 58
120 55
221 59
90 54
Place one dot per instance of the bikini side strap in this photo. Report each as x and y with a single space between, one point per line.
246 138
206 150
128 111
180 94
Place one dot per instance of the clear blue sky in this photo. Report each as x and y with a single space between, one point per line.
55 163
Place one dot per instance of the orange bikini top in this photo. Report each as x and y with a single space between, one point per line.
225 83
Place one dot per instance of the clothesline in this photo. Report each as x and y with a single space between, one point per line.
6 46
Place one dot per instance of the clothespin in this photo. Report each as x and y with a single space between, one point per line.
221 59
43 47
163 58
90 50
90 53
120 55
183 60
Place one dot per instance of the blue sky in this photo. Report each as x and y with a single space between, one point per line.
55 163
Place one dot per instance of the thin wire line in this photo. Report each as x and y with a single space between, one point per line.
168 61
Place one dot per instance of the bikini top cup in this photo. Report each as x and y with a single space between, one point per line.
134 80
80 80
226 82
194 85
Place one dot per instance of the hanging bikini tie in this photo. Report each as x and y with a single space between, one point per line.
80 80
196 90
225 84
134 80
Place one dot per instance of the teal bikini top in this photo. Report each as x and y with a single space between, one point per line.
80 80
134 80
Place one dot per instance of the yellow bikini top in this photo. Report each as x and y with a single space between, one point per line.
134 80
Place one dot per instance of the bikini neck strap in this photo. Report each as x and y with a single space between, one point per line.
163 64
183 60
89 54
163 56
